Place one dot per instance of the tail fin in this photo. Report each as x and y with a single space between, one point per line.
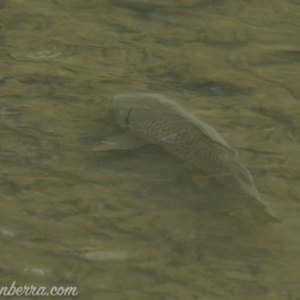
246 185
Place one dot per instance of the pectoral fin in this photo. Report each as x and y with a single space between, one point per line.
199 177
125 142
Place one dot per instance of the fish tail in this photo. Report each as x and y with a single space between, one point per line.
268 214
259 208
263 212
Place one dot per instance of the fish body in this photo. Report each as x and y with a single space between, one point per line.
158 120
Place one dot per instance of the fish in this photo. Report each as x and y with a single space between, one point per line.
154 119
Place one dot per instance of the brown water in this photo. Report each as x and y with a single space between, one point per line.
132 224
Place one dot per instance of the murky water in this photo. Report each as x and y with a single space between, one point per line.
132 224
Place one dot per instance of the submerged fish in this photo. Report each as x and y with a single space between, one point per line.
152 118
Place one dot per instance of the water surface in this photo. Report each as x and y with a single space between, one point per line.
132 224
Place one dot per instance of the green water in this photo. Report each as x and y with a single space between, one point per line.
132 224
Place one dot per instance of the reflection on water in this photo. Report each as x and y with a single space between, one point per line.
132 224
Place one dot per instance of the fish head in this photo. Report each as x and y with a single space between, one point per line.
121 107
123 104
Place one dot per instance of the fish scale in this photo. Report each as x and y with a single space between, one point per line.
179 137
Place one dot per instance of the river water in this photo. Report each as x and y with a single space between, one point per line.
132 224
